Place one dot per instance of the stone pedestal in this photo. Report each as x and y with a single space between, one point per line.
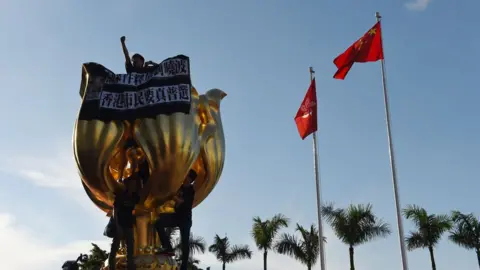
147 261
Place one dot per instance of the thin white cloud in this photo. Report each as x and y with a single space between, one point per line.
22 248
418 5
58 171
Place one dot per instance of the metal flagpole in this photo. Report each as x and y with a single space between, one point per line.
392 163
319 202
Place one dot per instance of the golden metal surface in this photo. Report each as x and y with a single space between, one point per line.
172 145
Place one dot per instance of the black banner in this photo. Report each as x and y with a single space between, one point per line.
108 96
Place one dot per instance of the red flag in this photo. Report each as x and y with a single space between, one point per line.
367 49
306 117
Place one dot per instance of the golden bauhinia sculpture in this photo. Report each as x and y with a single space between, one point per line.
175 127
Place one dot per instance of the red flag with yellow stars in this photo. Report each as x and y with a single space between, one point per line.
367 49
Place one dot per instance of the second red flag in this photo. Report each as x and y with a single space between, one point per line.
306 118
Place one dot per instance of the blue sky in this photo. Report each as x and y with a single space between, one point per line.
259 53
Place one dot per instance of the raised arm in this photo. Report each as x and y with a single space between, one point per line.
125 50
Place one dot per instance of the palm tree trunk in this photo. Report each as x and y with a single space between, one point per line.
223 266
265 260
352 264
309 267
432 258
478 257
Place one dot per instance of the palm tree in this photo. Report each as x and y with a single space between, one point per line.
196 244
430 229
226 253
355 225
305 250
466 232
264 233
95 260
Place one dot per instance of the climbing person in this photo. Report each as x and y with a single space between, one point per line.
182 218
124 204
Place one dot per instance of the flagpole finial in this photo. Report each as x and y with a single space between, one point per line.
378 16
311 70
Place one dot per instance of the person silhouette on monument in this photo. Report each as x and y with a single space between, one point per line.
182 218
123 206
137 63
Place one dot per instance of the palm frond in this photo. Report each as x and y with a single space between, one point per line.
238 252
303 232
442 222
430 228
377 229
312 245
98 253
305 250
463 239
226 254
338 220
219 247
290 246
467 221
331 214
356 224
196 244
466 232
260 233
278 222
95 260
415 240
416 214
438 225
264 232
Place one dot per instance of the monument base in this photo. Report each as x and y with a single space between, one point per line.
147 261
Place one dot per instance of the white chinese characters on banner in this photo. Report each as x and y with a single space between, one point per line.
146 97
173 67
166 69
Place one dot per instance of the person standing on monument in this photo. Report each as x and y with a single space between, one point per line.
137 63
182 218
123 206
